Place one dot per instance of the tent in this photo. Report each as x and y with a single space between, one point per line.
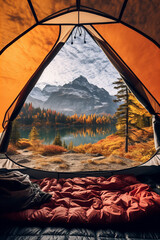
33 31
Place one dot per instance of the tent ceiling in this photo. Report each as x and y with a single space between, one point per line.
144 16
18 16
44 9
13 21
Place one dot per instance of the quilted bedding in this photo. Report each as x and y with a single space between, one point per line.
92 200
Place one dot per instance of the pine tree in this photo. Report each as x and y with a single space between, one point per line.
34 135
130 114
15 134
123 111
57 140
142 118
64 145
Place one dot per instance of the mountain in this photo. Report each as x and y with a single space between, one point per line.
36 93
48 89
78 96
35 102
44 94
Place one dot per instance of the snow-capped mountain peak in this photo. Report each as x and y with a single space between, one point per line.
78 96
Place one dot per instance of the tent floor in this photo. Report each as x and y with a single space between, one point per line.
10 232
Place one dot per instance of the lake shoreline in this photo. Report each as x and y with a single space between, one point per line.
71 161
78 134
65 125
106 154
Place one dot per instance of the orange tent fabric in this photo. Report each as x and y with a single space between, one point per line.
19 62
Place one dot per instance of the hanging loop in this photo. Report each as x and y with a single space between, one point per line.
79 31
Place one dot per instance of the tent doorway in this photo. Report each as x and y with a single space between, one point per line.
74 119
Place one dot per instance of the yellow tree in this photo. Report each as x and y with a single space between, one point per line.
84 118
80 119
34 135
142 118
89 120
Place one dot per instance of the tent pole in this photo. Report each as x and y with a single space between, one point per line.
156 129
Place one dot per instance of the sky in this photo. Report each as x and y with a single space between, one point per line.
79 58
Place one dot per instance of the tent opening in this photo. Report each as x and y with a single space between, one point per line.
81 116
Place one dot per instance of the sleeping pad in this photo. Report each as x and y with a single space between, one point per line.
91 200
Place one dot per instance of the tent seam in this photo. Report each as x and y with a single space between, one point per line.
122 9
32 10
18 37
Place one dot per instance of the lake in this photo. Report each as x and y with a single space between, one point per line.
77 134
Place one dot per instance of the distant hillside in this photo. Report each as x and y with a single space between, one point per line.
78 96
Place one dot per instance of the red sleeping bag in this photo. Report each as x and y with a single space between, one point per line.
92 200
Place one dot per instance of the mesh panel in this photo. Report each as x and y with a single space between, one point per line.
13 21
144 15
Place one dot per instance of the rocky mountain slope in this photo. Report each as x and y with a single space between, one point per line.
78 96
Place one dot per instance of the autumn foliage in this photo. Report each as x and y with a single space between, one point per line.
24 143
11 150
49 150
141 150
37 117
